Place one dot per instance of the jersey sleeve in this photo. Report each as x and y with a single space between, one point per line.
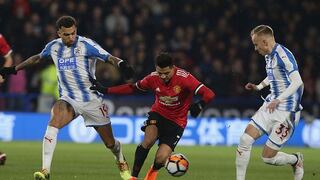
289 63
192 83
95 50
46 52
145 84
5 48
198 88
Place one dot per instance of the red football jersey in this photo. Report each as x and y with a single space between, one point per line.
174 98
5 49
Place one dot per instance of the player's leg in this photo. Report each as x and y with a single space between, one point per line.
150 136
95 114
169 136
244 149
271 155
277 158
61 114
105 132
110 142
279 135
162 155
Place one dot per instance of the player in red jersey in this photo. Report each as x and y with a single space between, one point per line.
174 89
5 51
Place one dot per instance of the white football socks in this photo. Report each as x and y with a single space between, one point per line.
117 151
281 159
243 155
48 146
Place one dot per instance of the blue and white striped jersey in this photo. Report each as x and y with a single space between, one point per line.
279 65
75 66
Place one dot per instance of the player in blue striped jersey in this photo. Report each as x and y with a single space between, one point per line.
75 57
280 112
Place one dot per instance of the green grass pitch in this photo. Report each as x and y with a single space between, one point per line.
93 162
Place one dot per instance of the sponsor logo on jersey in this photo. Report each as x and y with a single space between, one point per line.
67 63
169 100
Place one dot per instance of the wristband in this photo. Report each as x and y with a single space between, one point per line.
259 87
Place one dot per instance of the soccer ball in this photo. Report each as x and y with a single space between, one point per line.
177 164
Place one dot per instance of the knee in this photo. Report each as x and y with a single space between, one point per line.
148 143
55 123
246 141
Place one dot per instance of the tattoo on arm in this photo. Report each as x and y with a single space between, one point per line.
29 62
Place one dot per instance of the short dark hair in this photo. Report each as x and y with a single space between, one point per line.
163 60
262 29
66 21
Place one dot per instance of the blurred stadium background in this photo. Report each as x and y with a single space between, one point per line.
208 38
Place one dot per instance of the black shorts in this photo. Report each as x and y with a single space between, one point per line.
169 132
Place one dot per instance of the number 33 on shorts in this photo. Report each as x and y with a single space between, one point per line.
283 131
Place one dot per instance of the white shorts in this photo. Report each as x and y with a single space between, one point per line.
278 125
94 112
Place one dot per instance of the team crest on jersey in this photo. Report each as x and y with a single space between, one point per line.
177 89
77 51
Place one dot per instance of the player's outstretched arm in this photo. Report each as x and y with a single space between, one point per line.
118 90
5 71
253 87
250 86
125 69
35 59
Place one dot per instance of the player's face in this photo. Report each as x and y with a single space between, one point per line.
68 35
165 73
260 44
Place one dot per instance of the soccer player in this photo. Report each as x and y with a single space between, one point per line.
174 89
74 57
280 112
5 52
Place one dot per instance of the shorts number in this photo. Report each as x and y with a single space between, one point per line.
104 110
282 131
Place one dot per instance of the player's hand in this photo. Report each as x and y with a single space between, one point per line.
126 70
273 105
251 87
5 71
96 86
196 108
